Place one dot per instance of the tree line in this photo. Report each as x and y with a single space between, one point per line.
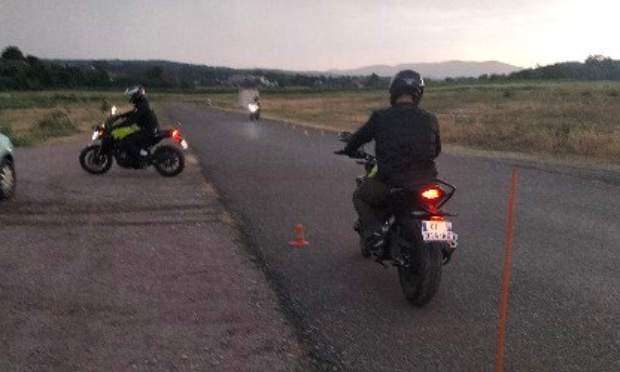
26 72
595 67
21 72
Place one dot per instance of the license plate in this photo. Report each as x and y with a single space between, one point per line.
184 144
439 231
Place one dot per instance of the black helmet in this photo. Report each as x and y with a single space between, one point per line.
406 82
135 93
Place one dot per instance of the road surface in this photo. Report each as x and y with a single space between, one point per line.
564 309
129 271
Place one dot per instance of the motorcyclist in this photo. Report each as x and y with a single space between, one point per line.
144 118
255 108
406 145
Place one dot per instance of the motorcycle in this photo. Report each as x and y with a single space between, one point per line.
418 239
254 109
97 157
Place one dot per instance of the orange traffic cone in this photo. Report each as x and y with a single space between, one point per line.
300 240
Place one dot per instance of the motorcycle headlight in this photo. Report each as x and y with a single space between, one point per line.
96 134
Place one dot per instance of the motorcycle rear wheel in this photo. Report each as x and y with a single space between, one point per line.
420 278
169 161
95 162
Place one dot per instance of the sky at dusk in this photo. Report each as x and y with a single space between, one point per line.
313 34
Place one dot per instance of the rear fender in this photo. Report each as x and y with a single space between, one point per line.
162 134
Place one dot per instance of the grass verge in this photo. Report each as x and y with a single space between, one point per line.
558 119
564 120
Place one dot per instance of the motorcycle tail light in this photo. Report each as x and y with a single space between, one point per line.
175 134
435 193
431 195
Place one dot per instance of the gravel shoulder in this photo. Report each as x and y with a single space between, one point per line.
129 271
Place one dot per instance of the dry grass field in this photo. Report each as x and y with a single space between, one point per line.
32 117
558 119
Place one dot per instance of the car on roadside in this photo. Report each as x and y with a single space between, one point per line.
7 168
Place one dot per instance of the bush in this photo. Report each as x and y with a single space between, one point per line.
6 129
56 124
17 140
508 94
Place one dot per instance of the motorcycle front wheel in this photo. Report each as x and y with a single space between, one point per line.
420 275
169 161
94 161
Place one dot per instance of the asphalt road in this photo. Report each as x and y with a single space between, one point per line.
129 271
564 309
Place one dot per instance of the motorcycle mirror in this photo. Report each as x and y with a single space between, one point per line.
344 136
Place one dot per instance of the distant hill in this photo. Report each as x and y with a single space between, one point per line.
439 70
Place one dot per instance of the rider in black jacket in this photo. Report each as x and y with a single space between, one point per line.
406 145
144 118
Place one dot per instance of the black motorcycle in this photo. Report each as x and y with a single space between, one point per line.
418 239
167 159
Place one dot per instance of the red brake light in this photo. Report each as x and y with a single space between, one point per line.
431 195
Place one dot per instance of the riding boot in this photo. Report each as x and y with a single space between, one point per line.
375 242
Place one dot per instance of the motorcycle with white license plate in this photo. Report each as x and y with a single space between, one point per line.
417 237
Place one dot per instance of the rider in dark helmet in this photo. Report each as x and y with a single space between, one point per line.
144 118
406 145
406 82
